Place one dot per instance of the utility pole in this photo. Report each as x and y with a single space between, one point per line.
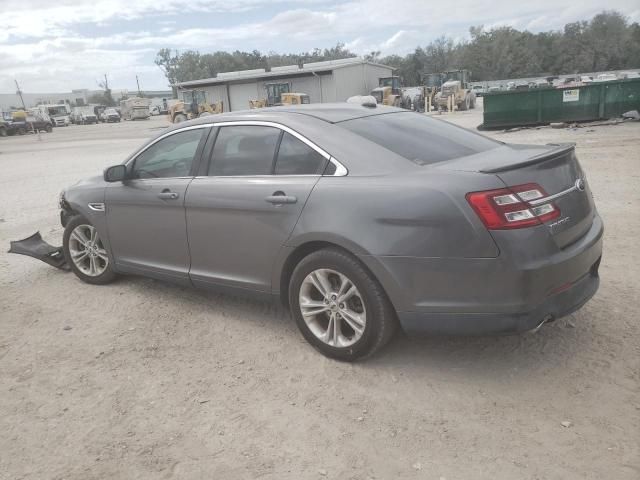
19 92
138 82
106 82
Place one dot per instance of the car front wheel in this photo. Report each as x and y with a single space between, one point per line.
340 308
85 252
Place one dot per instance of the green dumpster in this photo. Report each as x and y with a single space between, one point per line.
540 106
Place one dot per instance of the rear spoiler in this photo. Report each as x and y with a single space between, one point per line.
558 150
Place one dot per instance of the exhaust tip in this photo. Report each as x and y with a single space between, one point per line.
547 319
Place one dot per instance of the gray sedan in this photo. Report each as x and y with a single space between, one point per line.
358 218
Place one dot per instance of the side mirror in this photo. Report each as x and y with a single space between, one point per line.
117 173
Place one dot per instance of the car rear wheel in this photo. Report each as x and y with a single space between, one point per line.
48 128
21 131
339 306
86 253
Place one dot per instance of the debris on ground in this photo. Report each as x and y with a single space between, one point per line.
566 424
558 125
631 114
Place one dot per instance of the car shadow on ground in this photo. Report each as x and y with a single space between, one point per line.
550 347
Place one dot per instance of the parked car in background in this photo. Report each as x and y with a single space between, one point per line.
21 122
539 83
605 77
479 90
357 217
83 115
626 75
109 115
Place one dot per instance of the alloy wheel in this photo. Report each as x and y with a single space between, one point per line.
87 251
332 308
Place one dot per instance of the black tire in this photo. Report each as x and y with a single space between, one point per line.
21 131
48 128
381 321
464 105
3 132
105 277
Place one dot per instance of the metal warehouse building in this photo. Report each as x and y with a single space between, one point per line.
331 81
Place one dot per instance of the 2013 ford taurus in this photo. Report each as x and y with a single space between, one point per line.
359 218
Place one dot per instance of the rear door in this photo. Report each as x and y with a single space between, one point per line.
146 214
243 208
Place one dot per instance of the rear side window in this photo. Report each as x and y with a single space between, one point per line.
418 138
297 158
244 150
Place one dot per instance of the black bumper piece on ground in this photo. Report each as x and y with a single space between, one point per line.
34 246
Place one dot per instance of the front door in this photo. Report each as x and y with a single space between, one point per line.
146 215
242 212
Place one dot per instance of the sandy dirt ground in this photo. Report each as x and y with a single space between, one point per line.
145 380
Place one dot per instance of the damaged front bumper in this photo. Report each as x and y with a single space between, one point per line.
34 246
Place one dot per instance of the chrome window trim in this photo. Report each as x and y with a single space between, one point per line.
341 170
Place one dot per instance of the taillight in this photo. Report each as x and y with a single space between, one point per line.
510 208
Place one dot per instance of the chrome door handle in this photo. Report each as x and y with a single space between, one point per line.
281 199
168 195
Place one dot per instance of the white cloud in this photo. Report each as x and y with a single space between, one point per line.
46 46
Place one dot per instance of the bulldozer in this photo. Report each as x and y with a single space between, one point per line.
193 105
454 91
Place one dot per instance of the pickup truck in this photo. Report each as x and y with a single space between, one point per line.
22 125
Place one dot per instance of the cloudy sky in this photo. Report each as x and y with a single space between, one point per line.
59 45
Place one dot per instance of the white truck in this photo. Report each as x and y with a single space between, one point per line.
83 115
135 108
59 113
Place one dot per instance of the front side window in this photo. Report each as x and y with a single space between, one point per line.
297 158
244 150
170 157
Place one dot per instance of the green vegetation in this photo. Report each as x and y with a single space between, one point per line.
607 42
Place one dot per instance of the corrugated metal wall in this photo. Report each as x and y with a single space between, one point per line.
241 93
337 86
357 80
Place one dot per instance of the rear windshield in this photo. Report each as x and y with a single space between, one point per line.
418 138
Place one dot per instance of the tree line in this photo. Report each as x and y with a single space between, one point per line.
606 42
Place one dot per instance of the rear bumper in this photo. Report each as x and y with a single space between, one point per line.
556 306
514 292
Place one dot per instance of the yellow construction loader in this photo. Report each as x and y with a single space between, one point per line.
193 105
388 91
284 98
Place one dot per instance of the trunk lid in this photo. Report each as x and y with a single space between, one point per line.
555 168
